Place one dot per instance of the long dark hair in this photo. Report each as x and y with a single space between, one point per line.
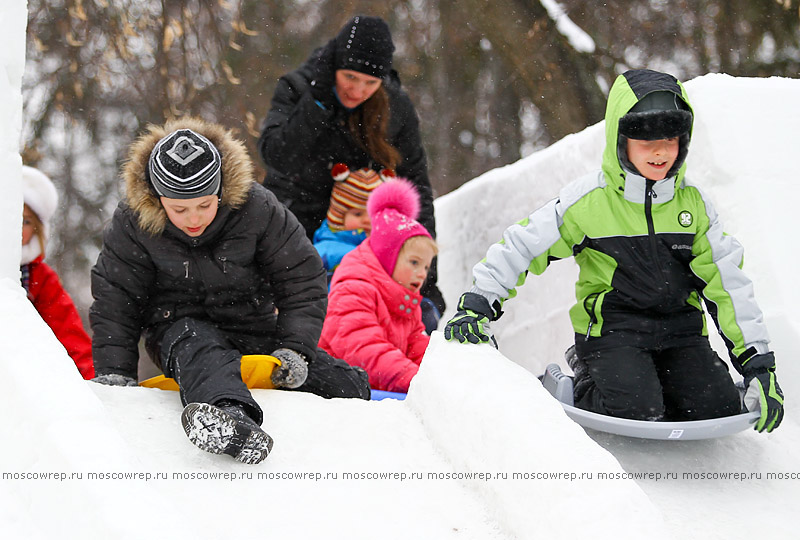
368 125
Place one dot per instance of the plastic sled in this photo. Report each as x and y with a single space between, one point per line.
256 373
560 386
378 395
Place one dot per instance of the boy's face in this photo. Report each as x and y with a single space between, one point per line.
354 87
192 216
412 265
356 218
28 225
653 159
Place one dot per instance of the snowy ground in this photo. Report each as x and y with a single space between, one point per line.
354 469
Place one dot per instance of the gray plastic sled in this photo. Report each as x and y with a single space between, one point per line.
560 386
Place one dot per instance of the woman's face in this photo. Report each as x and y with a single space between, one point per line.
192 216
28 225
354 87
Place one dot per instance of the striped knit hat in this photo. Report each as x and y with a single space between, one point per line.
351 190
185 165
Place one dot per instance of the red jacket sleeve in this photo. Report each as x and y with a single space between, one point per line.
58 311
418 342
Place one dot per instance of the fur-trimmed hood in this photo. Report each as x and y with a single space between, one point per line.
237 170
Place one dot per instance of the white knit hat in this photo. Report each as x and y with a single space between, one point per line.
39 193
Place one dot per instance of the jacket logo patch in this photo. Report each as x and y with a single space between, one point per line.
685 218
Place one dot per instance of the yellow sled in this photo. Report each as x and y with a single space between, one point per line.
256 373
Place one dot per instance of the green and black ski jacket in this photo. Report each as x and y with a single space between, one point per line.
648 252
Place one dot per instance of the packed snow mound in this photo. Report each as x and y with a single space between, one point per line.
465 435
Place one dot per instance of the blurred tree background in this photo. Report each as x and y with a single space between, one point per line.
492 80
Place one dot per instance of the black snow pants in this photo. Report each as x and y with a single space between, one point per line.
681 379
206 364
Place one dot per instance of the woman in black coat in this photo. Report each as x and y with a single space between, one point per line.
344 105
207 265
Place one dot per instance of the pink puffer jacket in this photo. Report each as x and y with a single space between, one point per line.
374 322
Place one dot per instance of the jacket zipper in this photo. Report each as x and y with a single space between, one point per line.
592 315
186 268
651 229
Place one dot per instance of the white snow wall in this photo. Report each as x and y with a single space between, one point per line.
13 22
36 374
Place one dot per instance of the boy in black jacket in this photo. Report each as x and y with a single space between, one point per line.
207 265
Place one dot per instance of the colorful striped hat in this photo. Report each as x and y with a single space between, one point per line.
351 190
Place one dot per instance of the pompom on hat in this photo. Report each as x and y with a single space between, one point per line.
393 209
185 165
39 193
351 190
365 45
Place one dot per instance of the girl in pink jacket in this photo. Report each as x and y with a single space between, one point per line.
374 319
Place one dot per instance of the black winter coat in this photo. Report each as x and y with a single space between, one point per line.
252 272
301 142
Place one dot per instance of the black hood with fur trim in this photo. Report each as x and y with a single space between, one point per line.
253 273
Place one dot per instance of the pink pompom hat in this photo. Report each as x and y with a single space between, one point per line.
393 209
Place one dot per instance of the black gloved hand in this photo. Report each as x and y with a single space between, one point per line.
115 379
324 82
323 95
762 390
471 321
293 370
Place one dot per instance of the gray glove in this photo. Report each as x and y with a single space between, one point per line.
293 369
115 379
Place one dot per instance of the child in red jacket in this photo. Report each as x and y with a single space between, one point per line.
374 319
40 281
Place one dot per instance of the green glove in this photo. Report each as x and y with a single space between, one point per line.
471 321
762 391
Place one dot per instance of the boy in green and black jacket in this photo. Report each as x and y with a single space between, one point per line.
650 247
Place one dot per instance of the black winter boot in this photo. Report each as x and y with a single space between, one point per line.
581 381
226 429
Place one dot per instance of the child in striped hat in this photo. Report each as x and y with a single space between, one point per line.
347 223
374 316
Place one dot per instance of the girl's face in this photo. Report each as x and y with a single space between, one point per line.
356 218
192 216
413 264
653 159
28 225
354 87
